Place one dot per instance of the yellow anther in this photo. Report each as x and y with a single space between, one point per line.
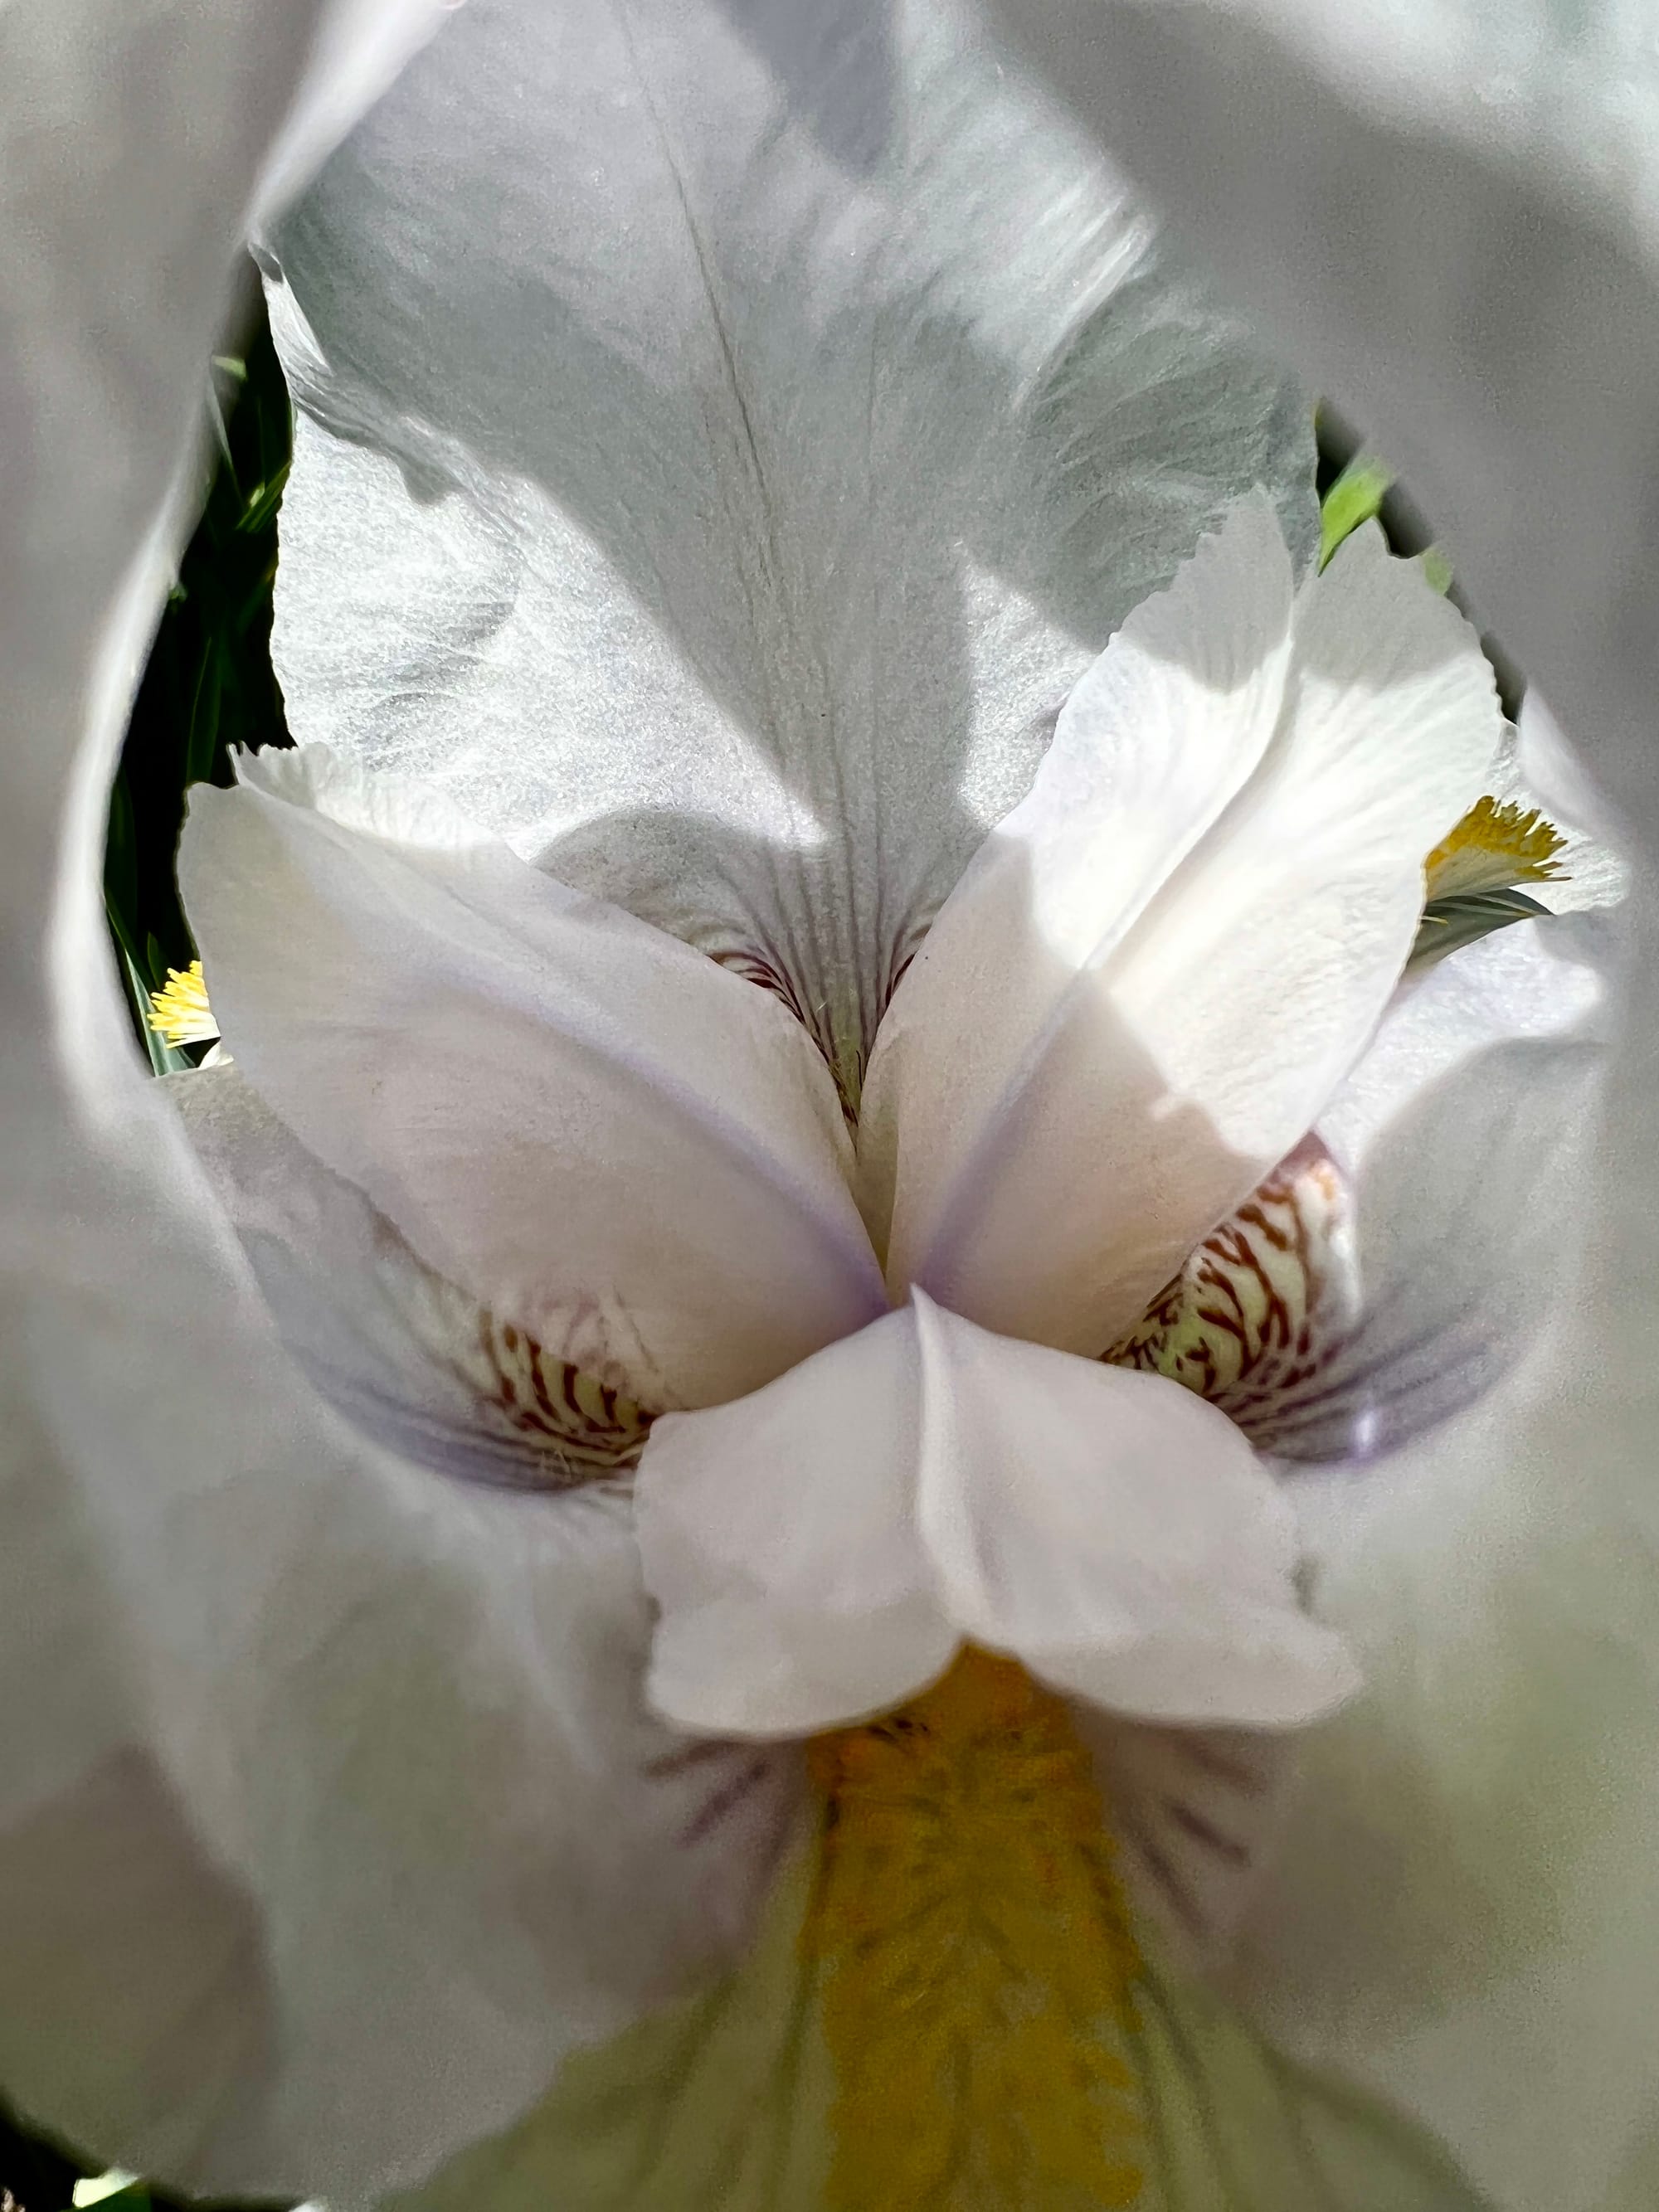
179 1013
1494 847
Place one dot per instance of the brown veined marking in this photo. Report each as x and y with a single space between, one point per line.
1262 1301
578 1424
977 1968
577 1419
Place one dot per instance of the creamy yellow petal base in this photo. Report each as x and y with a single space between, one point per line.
946 2011
977 1971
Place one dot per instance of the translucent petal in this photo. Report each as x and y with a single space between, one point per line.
1401 1261
1462 1137
731 2104
257 1679
400 1350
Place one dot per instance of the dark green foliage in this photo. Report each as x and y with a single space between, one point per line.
208 685
1448 924
36 2176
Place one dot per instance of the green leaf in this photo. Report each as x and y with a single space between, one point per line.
262 504
1450 924
1355 497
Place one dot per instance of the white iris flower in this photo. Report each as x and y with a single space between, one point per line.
771 1080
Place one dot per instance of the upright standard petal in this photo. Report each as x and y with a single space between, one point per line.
582 1122
818 1551
1191 986
718 495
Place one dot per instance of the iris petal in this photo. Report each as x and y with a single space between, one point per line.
720 509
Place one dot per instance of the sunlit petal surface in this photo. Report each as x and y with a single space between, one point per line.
1151 981
717 481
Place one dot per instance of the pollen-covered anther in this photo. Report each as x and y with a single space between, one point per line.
178 1013
1497 844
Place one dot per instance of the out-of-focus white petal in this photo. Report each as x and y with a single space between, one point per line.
399 1350
1461 1137
365 1749
1195 1813
736 2103
818 1550
316 1771
566 1112
1182 1015
1544 771
358 47
1447 214
720 509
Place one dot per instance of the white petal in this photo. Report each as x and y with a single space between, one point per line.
1463 1136
1541 769
561 1109
779 1540
1175 1037
344 1768
1114 1533
1196 1814
358 49
399 1350
1150 747
1470 1919
317 1773
720 501
1398 1262
818 1550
